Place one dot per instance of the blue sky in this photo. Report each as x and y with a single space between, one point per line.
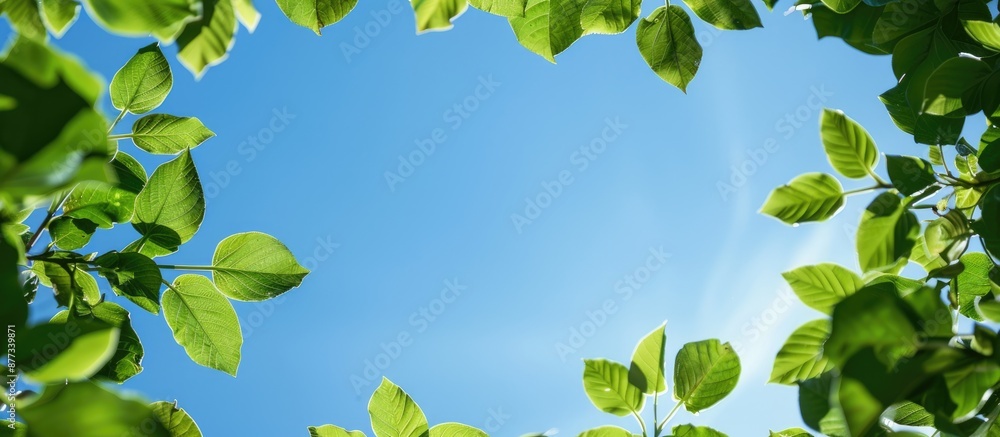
328 128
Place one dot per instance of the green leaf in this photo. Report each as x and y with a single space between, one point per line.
902 18
667 42
608 387
169 134
953 89
169 209
25 18
818 410
606 431
822 286
874 317
59 15
984 32
811 197
13 307
162 18
705 372
608 16
503 8
947 236
855 28
791 432
848 146
452 429
247 14
316 14
134 276
206 42
127 359
989 150
887 233
436 15
394 414
85 409
75 350
204 323
726 14
841 6
106 204
548 27
253 267
333 431
973 283
71 233
968 385
990 308
646 370
801 357
909 174
143 83
910 414
695 431
176 420
68 281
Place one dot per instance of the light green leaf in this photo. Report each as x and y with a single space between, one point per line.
503 8
134 276
452 429
841 6
909 174
811 197
801 357
984 32
953 89
169 134
333 431
887 233
947 236
253 266
849 147
726 14
910 414
204 323
169 210
163 18
143 82
990 308
316 14
973 283
85 409
968 385
666 41
394 414
646 370
609 16
705 372
175 420
206 41
68 281
548 27
59 15
75 350
873 317
606 431
71 233
822 286
25 17
695 431
247 14
106 204
791 432
436 15
127 359
608 387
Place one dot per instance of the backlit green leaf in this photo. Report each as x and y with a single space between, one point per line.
667 42
134 276
169 134
947 236
453 429
59 15
849 147
646 369
887 233
705 372
695 431
608 387
973 283
395 414
206 42
606 431
801 357
435 15
984 32
75 350
253 266
333 431
726 14
873 317
316 14
85 409
822 286
204 323
175 420
812 197
609 16
143 83
503 8
169 210
548 27
162 18
127 359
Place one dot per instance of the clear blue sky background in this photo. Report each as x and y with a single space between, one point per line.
321 180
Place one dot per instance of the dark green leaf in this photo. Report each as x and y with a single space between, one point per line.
909 174
134 276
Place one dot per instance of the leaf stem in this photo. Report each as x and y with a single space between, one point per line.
670 415
656 427
182 267
119 137
641 423
49 215
944 161
121 115
881 185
